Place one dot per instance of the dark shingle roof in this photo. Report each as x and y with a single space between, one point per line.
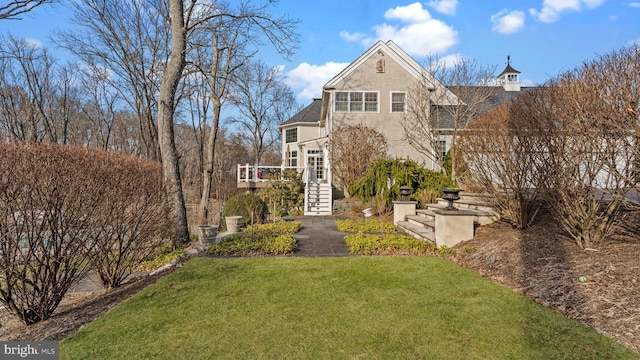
499 97
509 69
310 114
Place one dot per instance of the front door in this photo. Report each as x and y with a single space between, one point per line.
315 162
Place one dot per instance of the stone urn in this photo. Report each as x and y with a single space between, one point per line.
233 223
207 235
405 191
451 195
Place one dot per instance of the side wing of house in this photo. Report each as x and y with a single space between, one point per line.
304 140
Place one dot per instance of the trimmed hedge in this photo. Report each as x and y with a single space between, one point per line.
390 244
368 226
259 240
243 205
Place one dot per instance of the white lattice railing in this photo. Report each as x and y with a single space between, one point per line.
256 173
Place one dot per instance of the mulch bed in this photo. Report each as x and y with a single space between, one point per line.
543 265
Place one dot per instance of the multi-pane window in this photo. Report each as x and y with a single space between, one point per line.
371 102
293 158
291 135
356 101
398 100
342 101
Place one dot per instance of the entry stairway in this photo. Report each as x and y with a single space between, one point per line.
422 224
317 199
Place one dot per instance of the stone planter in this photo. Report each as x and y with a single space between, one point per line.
451 195
233 223
207 235
405 191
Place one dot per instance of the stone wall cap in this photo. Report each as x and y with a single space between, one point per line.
454 212
405 202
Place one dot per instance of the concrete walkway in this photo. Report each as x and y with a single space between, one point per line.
319 237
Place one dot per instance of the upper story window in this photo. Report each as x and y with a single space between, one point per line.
356 101
398 101
291 135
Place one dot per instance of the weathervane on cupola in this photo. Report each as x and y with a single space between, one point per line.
509 78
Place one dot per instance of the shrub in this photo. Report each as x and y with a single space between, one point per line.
285 196
249 206
133 220
385 177
65 209
259 239
164 256
280 245
368 225
371 244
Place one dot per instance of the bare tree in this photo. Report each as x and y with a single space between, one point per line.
435 114
264 102
130 40
12 9
102 102
30 68
217 64
353 149
572 143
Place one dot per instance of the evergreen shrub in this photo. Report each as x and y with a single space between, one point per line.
384 178
244 205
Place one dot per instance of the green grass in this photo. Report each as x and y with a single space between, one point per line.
333 308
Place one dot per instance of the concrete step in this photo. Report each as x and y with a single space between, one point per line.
417 231
422 221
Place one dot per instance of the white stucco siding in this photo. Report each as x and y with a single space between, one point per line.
305 133
367 77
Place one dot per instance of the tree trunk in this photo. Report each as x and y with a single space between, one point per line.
166 110
208 169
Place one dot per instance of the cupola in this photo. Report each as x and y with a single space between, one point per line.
510 77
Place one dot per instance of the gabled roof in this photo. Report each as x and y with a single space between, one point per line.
403 59
392 50
306 116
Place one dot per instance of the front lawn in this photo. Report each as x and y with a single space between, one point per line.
333 308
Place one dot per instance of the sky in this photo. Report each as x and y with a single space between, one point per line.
543 37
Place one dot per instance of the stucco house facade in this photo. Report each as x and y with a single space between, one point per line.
372 90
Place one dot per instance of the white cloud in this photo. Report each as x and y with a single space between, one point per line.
506 22
551 9
307 80
635 4
413 13
447 62
633 42
413 29
352 37
34 43
447 7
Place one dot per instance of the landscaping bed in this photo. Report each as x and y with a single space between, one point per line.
599 288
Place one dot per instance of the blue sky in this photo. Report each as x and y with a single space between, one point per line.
543 37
